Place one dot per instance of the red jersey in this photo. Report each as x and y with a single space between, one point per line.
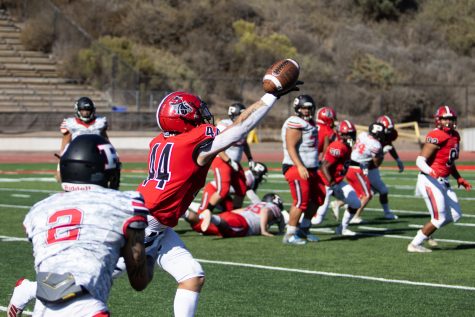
443 160
338 155
174 177
324 131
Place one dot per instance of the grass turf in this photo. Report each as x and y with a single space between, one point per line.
337 276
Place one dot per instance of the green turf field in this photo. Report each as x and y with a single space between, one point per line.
367 275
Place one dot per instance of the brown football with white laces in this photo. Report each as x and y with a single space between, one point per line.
281 76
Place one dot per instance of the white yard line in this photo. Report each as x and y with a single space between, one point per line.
361 277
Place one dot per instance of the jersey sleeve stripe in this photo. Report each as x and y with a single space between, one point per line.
294 125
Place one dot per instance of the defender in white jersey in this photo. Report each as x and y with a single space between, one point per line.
74 246
369 151
252 220
227 169
85 121
300 164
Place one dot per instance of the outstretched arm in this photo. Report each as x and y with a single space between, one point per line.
243 124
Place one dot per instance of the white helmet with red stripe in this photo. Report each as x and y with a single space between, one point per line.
327 116
445 113
347 132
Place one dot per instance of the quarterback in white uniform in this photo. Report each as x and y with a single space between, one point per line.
72 244
85 121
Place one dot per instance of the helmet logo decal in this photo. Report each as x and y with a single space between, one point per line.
111 155
180 106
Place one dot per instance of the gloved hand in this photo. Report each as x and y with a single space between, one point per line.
252 164
387 148
400 165
279 94
462 182
234 165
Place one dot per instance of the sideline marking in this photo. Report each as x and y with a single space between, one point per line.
361 277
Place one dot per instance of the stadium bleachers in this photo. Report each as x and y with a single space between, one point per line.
30 81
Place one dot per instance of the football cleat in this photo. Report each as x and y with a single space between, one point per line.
390 216
417 248
293 239
431 241
344 232
13 311
312 238
23 293
357 220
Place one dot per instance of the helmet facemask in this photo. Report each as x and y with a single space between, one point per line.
82 104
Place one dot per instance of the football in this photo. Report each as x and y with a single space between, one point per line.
282 75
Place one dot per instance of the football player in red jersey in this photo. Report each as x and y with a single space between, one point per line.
333 170
179 160
227 168
326 117
436 163
254 176
391 136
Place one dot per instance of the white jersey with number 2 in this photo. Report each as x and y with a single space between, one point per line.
82 232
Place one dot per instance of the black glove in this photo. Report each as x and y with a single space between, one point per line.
281 93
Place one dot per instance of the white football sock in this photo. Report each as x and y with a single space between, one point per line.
185 303
291 230
346 220
419 238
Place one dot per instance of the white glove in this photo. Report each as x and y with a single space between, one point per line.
400 165
387 148
234 165
252 164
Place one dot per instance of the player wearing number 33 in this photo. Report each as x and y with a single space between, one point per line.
178 162
436 163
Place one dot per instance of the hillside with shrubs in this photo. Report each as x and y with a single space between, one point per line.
364 57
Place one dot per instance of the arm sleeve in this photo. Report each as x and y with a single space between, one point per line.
421 163
238 131
253 196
